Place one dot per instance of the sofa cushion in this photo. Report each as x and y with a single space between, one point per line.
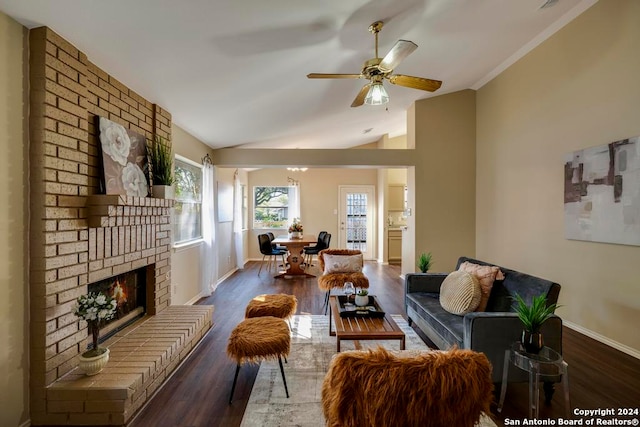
342 263
486 275
448 326
460 293
516 282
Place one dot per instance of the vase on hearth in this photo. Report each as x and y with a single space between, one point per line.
92 365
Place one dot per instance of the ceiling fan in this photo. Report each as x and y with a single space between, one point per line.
377 69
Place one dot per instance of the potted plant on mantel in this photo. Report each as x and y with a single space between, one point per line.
95 308
532 317
161 169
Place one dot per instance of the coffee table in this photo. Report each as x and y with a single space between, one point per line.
363 328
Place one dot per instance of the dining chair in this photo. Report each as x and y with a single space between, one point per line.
274 245
333 277
267 250
310 251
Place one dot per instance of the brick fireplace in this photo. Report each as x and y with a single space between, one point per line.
78 236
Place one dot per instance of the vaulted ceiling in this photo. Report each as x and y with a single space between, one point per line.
233 72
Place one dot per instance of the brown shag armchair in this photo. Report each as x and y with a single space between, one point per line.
336 279
377 388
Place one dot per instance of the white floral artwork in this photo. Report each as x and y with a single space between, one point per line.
115 141
124 160
134 181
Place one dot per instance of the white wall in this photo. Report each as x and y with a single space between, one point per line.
185 262
186 274
14 311
224 230
580 88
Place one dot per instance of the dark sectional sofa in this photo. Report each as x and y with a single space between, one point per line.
490 332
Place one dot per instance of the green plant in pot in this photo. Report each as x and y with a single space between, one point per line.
424 262
161 168
532 317
362 297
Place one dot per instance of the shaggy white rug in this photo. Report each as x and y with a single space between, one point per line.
311 352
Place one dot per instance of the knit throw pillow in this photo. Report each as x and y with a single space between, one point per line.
460 293
486 275
342 263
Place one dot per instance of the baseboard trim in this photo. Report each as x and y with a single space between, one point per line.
195 299
202 295
225 277
601 338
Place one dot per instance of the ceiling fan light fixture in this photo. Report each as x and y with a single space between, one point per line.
377 95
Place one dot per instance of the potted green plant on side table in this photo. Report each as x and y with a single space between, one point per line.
95 308
161 169
532 317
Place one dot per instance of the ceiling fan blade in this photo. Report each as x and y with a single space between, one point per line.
359 100
398 52
333 76
415 82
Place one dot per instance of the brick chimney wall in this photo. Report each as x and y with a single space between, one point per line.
67 91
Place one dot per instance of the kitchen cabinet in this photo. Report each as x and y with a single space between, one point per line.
394 246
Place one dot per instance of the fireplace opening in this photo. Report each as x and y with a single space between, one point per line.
129 291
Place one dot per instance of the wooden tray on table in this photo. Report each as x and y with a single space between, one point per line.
372 310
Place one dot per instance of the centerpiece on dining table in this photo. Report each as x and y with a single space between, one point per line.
295 229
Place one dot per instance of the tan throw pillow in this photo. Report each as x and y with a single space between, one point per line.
486 275
342 263
460 293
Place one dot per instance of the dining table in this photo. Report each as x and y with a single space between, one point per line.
295 246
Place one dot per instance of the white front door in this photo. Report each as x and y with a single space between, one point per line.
356 219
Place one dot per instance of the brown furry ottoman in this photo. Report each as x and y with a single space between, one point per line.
256 339
428 389
282 306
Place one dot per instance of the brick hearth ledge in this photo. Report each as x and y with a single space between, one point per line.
142 358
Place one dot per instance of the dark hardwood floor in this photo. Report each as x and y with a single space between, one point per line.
197 393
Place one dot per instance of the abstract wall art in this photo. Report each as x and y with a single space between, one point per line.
602 193
124 160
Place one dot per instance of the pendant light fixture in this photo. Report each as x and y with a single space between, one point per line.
377 95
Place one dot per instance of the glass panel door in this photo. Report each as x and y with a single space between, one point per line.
357 219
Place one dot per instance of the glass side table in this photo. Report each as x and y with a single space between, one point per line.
546 363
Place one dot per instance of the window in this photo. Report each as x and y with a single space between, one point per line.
273 207
187 225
